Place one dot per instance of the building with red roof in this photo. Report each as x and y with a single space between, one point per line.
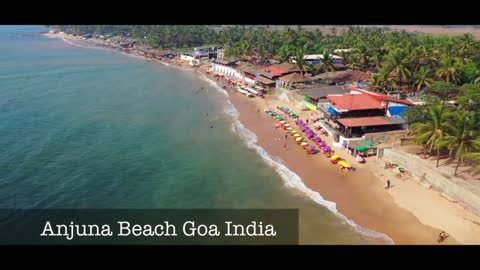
381 97
360 112
354 102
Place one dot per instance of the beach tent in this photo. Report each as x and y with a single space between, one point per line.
369 144
361 148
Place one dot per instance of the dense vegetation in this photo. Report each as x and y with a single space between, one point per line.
397 59
445 68
454 127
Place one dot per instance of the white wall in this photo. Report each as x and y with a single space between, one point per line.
186 57
229 71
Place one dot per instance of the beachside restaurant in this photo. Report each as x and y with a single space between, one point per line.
354 115
314 96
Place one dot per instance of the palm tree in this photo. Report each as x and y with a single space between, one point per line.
382 79
430 132
244 48
423 77
300 61
449 69
326 64
397 62
461 136
465 46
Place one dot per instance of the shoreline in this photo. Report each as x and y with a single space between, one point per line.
359 195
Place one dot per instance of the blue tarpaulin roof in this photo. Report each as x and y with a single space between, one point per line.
397 110
331 110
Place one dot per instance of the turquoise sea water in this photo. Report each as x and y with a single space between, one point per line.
91 128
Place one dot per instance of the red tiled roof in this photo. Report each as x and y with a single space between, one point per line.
275 70
382 97
352 102
364 121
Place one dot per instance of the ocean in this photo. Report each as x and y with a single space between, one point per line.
87 127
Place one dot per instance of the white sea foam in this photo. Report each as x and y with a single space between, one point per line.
216 87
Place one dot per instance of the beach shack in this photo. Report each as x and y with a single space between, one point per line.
291 80
265 79
360 112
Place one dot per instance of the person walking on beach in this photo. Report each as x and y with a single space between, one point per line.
286 136
307 121
285 146
441 237
387 184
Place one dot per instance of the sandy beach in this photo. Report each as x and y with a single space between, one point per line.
408 212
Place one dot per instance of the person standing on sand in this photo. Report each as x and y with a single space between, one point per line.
285 146
387 184
441 237
307 121
286 136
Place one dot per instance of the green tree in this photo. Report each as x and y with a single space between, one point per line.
429 133
449 69
460 135
414 114
469 73
327 64
396 61
300 61
470 98
444 91
422 77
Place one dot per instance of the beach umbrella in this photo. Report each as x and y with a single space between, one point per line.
298 139
293 131
328 148
334 157
346 165
287 125
341 162
283 122
289 128
296 135
303 144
